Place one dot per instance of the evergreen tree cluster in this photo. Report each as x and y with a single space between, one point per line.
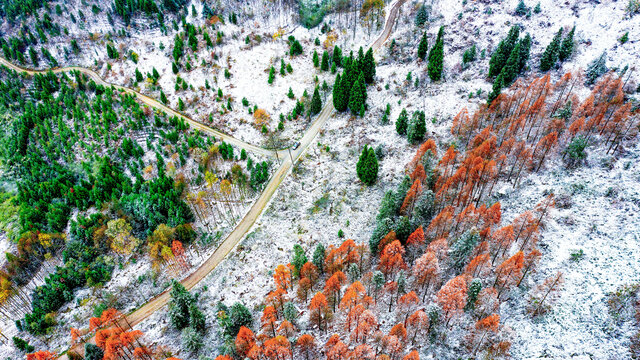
349 89
522 9
230 321
295 48
112 53
367 166
84 265
508 61
183 310
127 9
389 217
415 129
185 315
259 175
558 50
70 146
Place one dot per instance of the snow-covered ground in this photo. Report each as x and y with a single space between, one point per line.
323 195
603 222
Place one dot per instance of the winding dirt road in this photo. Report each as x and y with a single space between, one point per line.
288 159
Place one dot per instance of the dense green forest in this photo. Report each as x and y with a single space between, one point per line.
69 146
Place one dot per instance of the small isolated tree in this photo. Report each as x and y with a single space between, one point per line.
316 102
324 64
316 59
423 46
402 122
417 128
367 166
596 68
469 55
272 75
576 151
138 75
522 9
542 297
422 16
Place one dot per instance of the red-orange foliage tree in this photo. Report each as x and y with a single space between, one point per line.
452 297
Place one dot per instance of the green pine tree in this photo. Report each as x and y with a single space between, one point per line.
367 166
357 95
296 48
272 75
349 75
436 57
566 49
138 75
500 56
318 257
510 70
369 67
550 55
423 46
417 128
472 293
324 64
299 259
402 122
179 306
525 48
92 352
337 55
316 60
469 55
496 90
596 68
316 102
360 61
340 99
422 17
